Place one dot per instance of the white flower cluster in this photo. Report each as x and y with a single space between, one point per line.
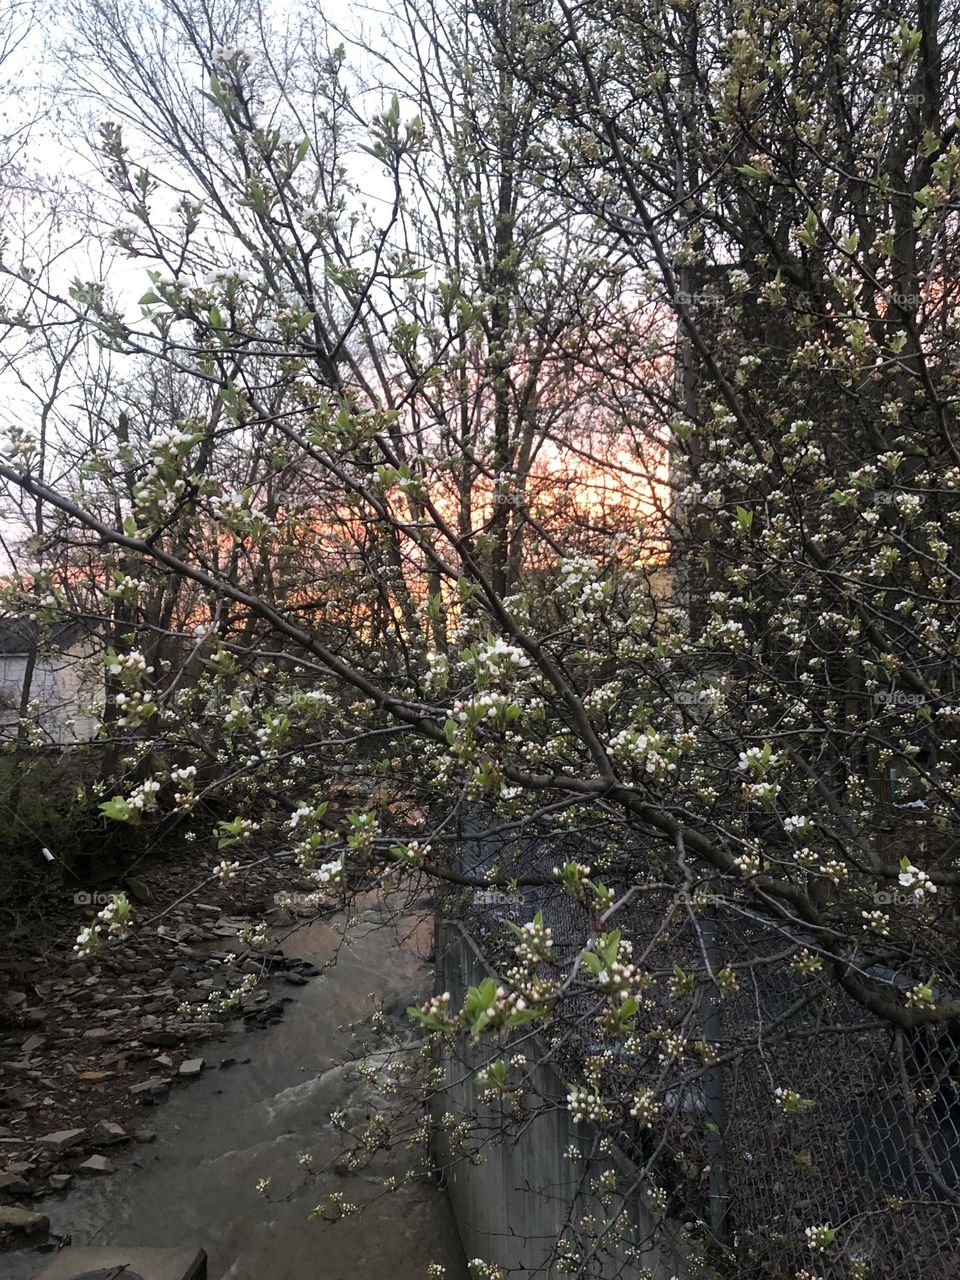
227 871
739 280
485 706
749 863
238 715
87 942
134 706
226 54
328 872
133 662
761 792
220 1001
795 822
789 1101
645 1106
835 870
222 275
672 1046
498 656
580 582
304 811
438 670
480 1270
648 750
729 633
921 996
320 698
254 936
536 942
22 445
143 797
165 440
585 1105
917 881
820 1237
413 853
878 921
749 757
113 921
621 978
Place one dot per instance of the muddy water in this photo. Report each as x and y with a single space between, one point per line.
196 1185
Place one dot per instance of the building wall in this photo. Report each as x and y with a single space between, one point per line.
68 688
514 1202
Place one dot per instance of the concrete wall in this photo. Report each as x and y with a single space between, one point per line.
521 1194
68 688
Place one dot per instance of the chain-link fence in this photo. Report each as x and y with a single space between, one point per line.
804 1111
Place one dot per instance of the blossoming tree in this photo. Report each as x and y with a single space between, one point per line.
702 272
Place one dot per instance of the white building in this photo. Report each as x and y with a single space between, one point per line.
65 664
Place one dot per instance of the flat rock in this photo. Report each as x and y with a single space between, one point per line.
160 1039
14 1219
14 1185
63 1139
191 1067
108 1132
97 1164
157 1264
60 1181
153 1085
139 890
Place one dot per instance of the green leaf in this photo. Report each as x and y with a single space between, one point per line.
116 808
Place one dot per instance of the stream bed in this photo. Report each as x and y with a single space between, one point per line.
196 1185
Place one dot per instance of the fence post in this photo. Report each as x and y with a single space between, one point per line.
713 1089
